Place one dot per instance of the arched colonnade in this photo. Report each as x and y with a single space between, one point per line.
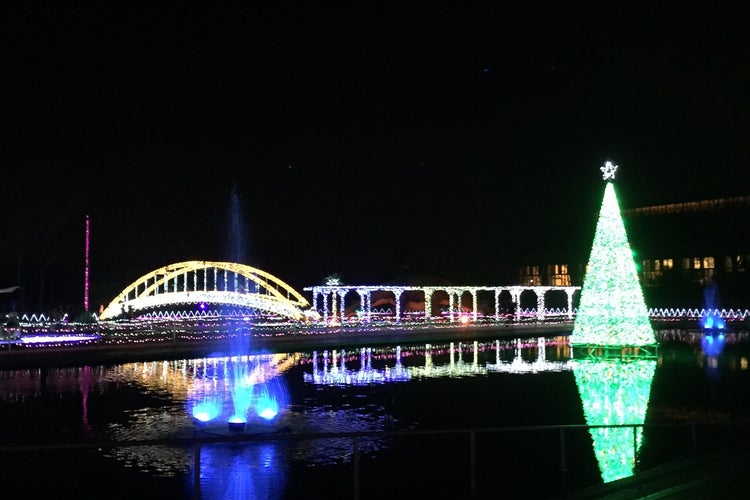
333 299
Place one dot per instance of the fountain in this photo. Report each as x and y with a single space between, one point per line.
711 319
247 382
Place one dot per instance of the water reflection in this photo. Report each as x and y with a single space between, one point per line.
713 344
519 365
252 471
351 390
615 392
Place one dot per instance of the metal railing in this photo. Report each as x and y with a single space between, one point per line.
197 442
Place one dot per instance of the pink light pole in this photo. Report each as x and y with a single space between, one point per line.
86 270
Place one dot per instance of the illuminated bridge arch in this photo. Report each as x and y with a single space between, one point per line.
199 281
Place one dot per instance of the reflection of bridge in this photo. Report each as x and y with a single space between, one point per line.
335 372
204 282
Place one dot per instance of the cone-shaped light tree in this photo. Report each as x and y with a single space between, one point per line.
611 311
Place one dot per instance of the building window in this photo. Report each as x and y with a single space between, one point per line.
729 264
557 275
651 270
530 276
736 263
700 269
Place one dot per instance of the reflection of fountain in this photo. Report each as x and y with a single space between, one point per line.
615 392
712 344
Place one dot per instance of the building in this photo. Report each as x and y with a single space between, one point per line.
679 248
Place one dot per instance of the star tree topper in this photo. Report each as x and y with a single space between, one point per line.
608 171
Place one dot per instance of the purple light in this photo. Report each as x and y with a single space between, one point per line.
86 268
44 339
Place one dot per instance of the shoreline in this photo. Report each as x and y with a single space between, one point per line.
125 343
111 351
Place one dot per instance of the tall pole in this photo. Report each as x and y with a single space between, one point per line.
86 270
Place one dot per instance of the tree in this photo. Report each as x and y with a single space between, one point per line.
612 310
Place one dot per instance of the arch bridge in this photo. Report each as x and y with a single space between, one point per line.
200 281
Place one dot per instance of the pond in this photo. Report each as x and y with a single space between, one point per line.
446 419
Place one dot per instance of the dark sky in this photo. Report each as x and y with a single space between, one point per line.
361 140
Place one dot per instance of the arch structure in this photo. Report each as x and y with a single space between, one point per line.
335 296
200 281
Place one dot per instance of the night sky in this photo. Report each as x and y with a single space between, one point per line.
366 141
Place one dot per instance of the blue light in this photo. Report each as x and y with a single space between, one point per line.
713 321
267 408
712 345
206 410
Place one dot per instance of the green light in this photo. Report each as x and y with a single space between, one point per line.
612 311
615 392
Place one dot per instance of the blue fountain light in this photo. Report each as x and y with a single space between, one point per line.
267 409
713 321
206 411
241 389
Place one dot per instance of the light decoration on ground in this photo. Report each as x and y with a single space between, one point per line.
58 339
612 311
615 392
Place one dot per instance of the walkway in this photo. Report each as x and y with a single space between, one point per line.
719 474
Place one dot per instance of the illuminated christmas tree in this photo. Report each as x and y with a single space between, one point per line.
612 311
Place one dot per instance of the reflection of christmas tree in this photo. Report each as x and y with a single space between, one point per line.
612 311
615 392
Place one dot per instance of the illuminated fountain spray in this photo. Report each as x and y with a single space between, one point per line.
711 318
612 335
241 388
248 383
237 389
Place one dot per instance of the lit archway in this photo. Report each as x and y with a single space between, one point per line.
199 281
